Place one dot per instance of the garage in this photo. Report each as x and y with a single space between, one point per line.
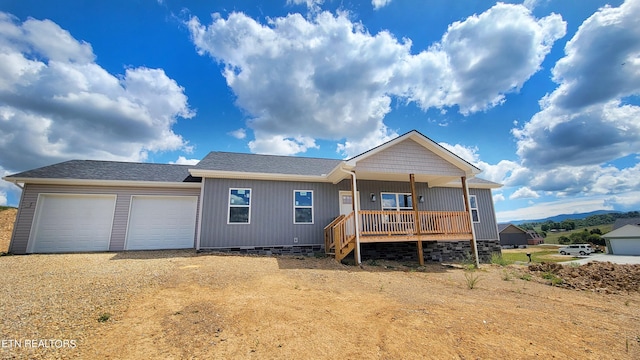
624 240
161 222
625 246
72 223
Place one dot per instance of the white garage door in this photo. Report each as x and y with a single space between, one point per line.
68 223
161 222
625 246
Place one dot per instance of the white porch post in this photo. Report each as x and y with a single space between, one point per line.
467 205
356 212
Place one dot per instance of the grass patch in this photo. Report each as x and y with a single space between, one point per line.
3 208
507 275
104 317
525 277
555 280
471 279
468 263
496 258
536 256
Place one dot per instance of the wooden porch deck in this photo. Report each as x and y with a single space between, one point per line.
395 226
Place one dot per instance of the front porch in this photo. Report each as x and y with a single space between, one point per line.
395 226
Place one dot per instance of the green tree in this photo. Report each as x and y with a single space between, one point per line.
596 240
568 225
563 240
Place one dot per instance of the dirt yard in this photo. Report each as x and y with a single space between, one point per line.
7 217
182 305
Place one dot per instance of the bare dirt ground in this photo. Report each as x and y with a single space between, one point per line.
7 217
182 305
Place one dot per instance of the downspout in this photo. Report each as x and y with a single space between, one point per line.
199 229
356 211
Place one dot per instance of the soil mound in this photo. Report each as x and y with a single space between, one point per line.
595 276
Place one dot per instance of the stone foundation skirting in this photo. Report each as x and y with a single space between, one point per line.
434 251
306 250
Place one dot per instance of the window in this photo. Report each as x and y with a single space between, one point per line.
474 208
239 206
303 207
396 201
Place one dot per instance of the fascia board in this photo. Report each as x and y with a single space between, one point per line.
458 184
256 176
52 181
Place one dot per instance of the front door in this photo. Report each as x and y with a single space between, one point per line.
346 202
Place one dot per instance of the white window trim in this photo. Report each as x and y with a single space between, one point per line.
303 207
398 207
247 206
477 209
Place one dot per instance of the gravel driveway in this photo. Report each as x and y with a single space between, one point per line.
616 259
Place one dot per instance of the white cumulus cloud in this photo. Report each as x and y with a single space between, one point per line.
524 193
587 120
184 161
239 134
499 173
327 77
590 119
56 103
378 4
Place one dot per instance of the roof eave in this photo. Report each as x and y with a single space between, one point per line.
472 185
93 182
256 176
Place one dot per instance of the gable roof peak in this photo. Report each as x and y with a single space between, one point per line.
427 143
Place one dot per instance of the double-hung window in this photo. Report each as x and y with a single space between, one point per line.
473 201
396 201
239 206
303 207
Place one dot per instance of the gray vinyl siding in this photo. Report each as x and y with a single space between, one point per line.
486 229
435 199
29 200
408 157
271 219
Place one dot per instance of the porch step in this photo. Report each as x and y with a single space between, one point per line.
345 251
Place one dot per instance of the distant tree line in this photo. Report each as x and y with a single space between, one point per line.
572 224
581 237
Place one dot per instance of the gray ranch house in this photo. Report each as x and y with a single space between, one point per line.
414 199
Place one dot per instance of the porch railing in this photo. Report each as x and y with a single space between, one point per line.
339 235
444 222
382 222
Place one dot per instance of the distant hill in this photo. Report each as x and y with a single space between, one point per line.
560 218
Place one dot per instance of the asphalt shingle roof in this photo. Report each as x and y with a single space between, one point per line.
111 170
270 164
620 222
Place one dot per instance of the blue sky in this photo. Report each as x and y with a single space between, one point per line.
541 95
